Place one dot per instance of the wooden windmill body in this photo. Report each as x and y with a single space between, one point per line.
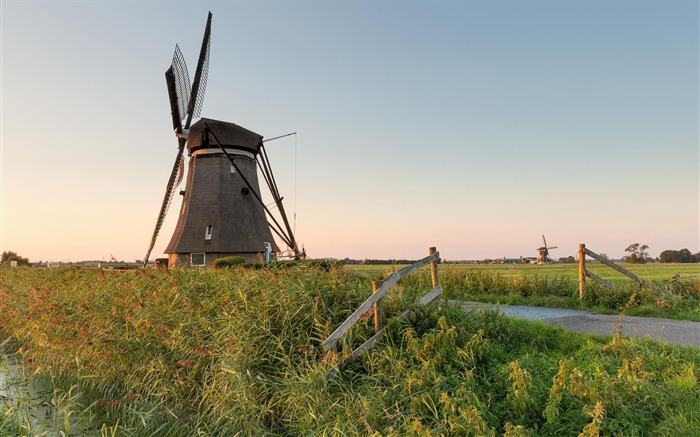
220 216
543 253
222 212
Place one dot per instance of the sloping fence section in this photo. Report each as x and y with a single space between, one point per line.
583 273
374 301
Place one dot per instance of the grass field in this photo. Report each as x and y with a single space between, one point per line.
650 271
674 290
238 352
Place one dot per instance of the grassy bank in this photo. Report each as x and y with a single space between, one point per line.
211 352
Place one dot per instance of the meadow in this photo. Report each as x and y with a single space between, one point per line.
673 292
238 352
650 271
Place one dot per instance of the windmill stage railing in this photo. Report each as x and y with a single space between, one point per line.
374 301
584 273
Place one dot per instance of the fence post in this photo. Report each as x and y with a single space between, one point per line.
377 310
434 271
581 269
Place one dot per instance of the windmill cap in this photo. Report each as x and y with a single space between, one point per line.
230 135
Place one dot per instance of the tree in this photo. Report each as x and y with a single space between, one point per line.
8 257
685 256
669 256
679 256
637 253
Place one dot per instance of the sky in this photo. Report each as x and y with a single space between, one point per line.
475 127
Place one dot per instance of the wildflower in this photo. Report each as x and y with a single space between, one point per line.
330 357
202 351
186 363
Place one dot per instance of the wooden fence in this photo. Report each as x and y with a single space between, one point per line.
583 272
374 302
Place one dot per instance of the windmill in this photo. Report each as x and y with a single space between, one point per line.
543 253
222 212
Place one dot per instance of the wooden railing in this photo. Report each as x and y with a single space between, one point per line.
583 273
374 301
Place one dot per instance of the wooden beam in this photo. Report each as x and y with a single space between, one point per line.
390 282
434 268
379 336
581 269
598 279
614 266
376 338
430 296
377 310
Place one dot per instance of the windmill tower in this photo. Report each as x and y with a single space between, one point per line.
543 253
222 212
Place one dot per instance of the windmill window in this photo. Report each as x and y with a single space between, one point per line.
233 169
210 230
197 259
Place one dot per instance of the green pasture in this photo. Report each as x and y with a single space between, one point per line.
649 271
673 290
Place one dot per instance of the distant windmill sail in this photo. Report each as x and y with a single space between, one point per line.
543 256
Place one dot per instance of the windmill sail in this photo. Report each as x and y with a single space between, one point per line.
222 212
173 182
179 79
184 101
200 77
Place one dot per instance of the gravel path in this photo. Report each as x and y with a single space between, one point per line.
678 332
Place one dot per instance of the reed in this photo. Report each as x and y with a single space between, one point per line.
238 352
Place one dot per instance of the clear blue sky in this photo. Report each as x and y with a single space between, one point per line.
471 126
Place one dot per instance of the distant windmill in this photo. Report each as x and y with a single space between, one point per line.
222 212
543 253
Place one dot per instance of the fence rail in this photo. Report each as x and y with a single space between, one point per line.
583 273
375 297
374 301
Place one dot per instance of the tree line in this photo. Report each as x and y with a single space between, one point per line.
638 254
679 256
9 256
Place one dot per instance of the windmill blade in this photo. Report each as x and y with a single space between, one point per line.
180 78
544 241
175 109
200 77
173 182
553 247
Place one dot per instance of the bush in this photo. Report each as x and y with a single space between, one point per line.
8 257
314 263
229 261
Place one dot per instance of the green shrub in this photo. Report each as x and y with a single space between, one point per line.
229 261
314 263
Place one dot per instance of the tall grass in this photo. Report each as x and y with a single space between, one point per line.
238 352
